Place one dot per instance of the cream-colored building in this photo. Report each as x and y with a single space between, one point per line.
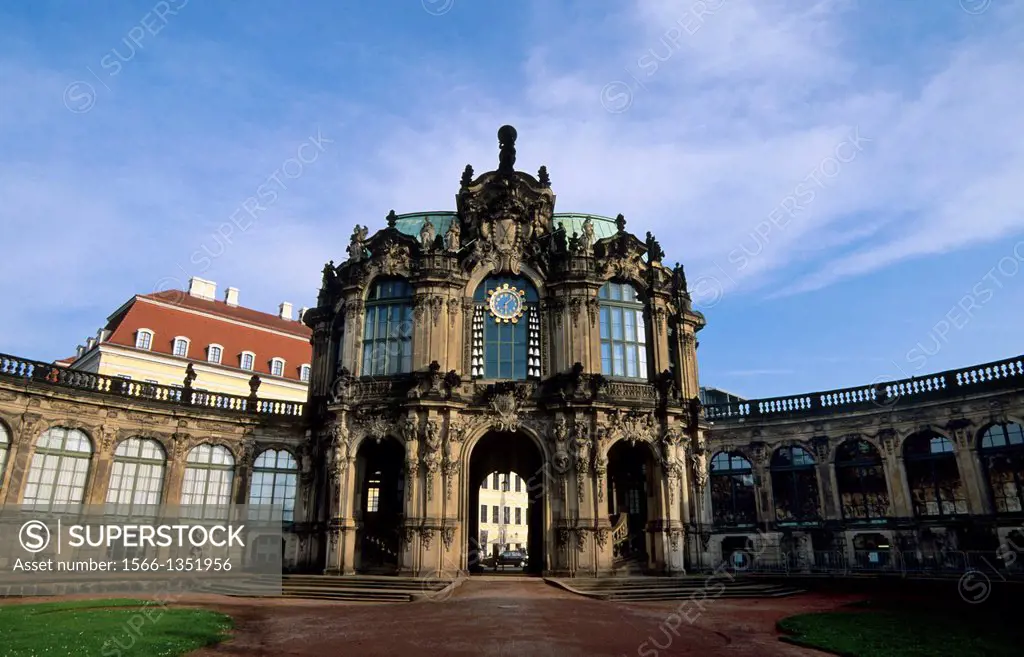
152 338
504 518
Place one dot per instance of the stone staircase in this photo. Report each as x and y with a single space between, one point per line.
363 588
652 589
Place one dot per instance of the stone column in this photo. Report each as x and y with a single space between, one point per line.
659 353
972 474
19 454
351 345
100 466
895 475
828 495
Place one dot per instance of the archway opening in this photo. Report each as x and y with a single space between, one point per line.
506 505
379 503
630 489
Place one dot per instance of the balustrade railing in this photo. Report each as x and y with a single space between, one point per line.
29 371
1003 374
947 563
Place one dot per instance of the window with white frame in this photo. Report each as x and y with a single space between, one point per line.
181 346
143 339
248 360
60 466
137 476
277 366
214 353
209 473
274 476
304 372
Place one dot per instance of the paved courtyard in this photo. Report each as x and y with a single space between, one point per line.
522 617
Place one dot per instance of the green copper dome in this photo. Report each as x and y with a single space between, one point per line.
410 224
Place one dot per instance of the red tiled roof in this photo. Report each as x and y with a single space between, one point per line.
239 313
172 313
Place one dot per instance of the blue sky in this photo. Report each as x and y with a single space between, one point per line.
841 179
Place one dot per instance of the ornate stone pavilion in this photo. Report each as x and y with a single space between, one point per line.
506 337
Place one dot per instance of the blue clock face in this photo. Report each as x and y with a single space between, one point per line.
506 304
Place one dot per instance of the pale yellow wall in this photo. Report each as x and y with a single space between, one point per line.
114 360
513 533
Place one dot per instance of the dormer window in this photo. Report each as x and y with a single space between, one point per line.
181 346
214 353
304 372
248 359
143 339
277 366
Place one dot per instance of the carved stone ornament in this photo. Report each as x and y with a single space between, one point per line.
356 247
506 407
601 537
391 257
674 537
408 534
889 441
426 536
634 426
560 440
376 427
504 212
448 536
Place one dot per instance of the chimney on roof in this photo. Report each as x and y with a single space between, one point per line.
231 296
302 313
285 310
202 289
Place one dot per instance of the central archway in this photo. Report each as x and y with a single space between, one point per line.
510 460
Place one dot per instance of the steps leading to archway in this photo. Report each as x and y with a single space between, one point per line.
649 589
358 588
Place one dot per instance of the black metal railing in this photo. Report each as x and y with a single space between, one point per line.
30 371
1004 374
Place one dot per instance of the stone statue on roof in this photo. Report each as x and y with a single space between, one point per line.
453 238
587 239
427 234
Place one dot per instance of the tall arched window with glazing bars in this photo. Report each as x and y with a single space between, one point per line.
5 442
274 477
732 490
860 477
623 332
136 477
1002 455
933 476
505 341
387 329
794 486
59 469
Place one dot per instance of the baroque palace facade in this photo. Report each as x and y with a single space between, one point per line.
503 337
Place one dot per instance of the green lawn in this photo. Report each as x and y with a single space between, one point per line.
905 633
107 628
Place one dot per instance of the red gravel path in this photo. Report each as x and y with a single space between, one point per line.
511 618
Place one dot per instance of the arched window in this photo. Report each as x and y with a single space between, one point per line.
247 360
794 485
5 442
506 330
623 332
277 366
137 476
181 346
935 485
304 371
860 476
59 468
274 475
387 332
143 339
732 490
214 353
209 472
1002 455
